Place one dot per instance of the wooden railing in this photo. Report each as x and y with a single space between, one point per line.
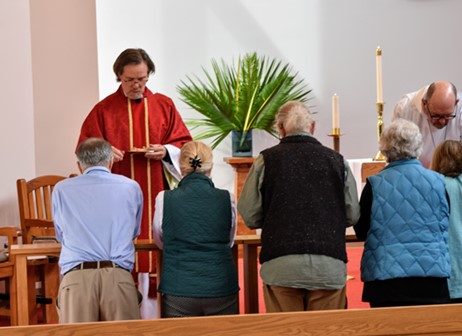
248 243
422 320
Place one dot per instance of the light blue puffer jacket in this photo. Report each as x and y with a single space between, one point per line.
409 224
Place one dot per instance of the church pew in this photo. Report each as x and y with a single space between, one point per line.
421 320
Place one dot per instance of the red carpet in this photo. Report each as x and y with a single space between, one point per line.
354 285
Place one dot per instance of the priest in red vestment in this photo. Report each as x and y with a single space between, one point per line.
146 133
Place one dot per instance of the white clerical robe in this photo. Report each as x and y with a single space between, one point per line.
410 108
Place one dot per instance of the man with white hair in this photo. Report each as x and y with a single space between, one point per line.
96 216
303 196
435 110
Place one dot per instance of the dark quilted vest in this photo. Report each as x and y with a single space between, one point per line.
303 200
197 259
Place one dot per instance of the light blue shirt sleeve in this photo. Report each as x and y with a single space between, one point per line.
55 199
139 213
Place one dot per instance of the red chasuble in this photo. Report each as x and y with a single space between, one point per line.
126 124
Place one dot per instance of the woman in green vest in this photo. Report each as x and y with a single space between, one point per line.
195 225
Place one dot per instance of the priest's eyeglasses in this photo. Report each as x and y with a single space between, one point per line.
133 81
438 117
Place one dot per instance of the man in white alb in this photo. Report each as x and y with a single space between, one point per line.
435 109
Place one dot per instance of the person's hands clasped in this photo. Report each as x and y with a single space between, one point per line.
156 152
117 154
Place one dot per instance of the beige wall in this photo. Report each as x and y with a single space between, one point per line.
17 118
65 78
49 82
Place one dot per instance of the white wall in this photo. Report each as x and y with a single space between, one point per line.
17 119
330 42
182 36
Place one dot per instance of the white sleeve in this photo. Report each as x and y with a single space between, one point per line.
402 109
157 225
409 107
174 167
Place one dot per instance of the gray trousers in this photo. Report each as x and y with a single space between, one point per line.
181 306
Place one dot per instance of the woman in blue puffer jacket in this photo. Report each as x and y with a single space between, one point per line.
404 222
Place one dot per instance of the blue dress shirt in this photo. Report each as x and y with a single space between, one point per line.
96 216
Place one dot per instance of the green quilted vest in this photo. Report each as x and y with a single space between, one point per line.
197 259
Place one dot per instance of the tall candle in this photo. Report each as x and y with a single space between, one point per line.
335 113
378 73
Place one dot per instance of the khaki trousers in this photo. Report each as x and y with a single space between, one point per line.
104 294
286 299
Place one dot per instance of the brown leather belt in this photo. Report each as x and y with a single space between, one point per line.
95 265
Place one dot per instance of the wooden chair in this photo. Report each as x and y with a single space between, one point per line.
34 199
7 274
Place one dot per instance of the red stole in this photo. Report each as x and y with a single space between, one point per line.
129 123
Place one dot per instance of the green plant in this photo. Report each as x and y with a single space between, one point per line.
240 98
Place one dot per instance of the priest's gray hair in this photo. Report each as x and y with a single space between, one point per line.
294 117
401 140
94 152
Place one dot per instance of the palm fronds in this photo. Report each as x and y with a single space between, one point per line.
240 98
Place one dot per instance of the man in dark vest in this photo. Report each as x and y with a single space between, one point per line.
303 196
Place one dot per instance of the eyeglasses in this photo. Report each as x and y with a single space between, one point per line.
133 81
438 117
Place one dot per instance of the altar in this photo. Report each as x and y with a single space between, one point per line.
361 169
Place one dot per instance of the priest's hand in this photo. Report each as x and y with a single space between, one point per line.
156 152
118 154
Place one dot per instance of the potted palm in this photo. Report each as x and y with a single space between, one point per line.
240 98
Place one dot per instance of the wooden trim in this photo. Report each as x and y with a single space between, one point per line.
371 168
241 166
236 161
422 320
42 223
250 244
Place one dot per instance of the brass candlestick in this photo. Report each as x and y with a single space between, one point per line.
336 138
379 156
